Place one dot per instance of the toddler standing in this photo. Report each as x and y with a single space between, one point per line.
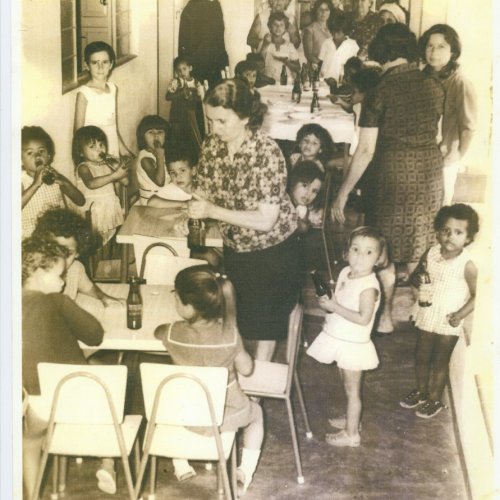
42 186
98 177
453 278
348 324
208 336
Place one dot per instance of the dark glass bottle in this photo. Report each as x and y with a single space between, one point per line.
110 161
48 177
320 285
425 288
134 304
196 235
296 91
304 75
315 102
283 76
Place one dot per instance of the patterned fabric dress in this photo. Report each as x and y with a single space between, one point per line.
408 166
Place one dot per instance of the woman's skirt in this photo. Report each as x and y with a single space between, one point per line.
267 284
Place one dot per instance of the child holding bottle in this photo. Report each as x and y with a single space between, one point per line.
42 186
96 101
208 336
348 324
314 143
98 177
450 292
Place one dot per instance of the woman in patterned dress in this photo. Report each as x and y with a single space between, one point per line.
241 183
398 129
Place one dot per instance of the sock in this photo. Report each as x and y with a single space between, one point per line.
249 459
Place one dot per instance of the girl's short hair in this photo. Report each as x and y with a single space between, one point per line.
327 144
151 122
83 136
317 5
393 41
341 22
374 233
366 79
99 46
459 211
307 171
40 253
210 294
35 133
66 223
278 16
235 95
451 37
182 59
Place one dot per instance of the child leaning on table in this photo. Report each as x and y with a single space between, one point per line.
71 231
208 336
52 326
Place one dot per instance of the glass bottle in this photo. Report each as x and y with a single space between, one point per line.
283 76
315 102
320 285
425 288
134 304
296 91
304 75
196 235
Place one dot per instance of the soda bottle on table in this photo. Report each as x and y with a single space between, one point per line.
315 102
296 91
196 234
134 304
304 76
283 76
320 285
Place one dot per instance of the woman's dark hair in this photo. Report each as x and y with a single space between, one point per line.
278 16
317 5
40 253
370 232
366 79
35 133
324 137
307 171
66 223
451 37
83 136
340 22
393 41
235 95
151 122
210 294
459 211
99 46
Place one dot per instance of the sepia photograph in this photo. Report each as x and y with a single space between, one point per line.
252 250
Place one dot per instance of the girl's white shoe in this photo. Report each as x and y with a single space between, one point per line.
243 481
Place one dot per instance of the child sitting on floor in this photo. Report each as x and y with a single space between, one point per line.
52 326
208 336
42 186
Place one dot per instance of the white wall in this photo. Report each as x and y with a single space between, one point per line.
43 102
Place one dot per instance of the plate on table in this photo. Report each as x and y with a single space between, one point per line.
300 115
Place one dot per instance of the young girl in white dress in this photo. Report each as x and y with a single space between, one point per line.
98 177
453 278
348 324
96 101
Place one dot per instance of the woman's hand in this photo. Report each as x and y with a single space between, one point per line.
338 209
199 208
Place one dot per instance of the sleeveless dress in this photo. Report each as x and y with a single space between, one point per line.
101 112
104 205
148 187
449 292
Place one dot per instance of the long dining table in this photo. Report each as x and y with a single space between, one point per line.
158 308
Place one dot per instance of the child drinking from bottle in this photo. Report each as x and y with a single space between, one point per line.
98 177
439 320
348 324
208 336
42 186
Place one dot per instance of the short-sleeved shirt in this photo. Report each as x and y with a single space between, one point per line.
256 174
274 67
334 57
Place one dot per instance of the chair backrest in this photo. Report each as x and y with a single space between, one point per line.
163 267
293 341
182 393
83 394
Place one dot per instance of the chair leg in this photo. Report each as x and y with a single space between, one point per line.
295 443
300 396
124 263
137 459
140 475
128 477
234 465
152 477
63 474
55 477
225 480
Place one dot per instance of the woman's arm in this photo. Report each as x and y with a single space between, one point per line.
262 219
470 275
367 301
307 41
158 202
293 32
359 163
69 189
80 110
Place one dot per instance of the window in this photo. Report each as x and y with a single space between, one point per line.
86 21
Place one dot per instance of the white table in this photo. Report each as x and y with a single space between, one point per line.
158 308
284 117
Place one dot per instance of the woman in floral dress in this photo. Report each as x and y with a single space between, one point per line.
241 183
